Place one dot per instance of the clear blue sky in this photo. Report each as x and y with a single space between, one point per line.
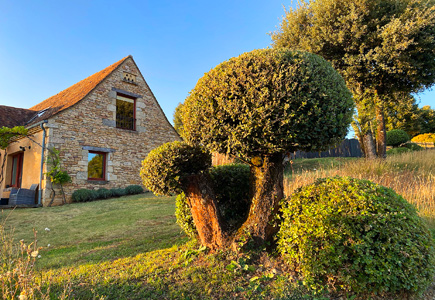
47 46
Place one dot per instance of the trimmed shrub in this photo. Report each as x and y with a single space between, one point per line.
413 146
104 193
396 137
84 195
184 216
398 150
164 167
231 184
357 235
424 138
134 189
118 192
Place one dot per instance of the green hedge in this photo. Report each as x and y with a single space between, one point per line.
396 137
86 195
357 235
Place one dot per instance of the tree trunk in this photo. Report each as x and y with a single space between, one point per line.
266 189
369 145
381 136
205 213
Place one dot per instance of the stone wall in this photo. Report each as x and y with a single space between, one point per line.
90 124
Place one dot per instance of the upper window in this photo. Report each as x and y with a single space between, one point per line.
96 165
125 112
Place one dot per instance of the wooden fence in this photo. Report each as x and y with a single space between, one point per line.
347 148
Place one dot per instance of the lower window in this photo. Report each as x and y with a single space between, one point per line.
96 165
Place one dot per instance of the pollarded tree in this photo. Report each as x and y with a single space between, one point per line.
257 107
381 47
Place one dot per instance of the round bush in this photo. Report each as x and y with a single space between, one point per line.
413 146
104 193
268 101
134 189
84 195
231 184
118 192
398 150
164 167
357 235
396 137
424 138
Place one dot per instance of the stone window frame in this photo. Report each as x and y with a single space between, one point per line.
120 95
107 165
104 163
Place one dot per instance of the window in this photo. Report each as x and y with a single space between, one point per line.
17 168
96 165
125 112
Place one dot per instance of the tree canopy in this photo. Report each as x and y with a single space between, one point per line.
379 46
268 101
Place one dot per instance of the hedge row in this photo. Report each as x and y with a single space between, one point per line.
85 195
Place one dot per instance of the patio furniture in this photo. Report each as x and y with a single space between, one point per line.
23 196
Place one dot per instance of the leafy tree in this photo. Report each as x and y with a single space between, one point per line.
402 112
55 174
257 107
427 120
381 47
178 123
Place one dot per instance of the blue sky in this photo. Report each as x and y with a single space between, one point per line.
47 46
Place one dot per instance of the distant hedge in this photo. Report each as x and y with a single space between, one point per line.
86 195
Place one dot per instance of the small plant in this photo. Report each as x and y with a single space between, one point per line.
56 174
184 216
134 189
396 137
398 150
356 235
104 193
413 146
118 192
84 195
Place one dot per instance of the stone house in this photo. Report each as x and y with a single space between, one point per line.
103 126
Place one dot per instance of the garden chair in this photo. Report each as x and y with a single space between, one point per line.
23 196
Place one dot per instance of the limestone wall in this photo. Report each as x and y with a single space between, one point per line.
90 124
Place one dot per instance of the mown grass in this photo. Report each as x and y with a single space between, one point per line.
98 231
131 247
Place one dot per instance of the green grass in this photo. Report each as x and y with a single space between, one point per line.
98 231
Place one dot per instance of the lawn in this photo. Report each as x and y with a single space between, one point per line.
131 247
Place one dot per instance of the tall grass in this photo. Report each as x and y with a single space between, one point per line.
18 278
410 174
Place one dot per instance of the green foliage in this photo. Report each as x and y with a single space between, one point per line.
268 101
164 167
104 193
178 122
134 190
184 216
356 235
55 173
427 119
231 184
84 195
413 146
398 150
381 47
7 133
424 138
397 137
402 112
118 192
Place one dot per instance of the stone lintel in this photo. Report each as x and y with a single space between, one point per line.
126 93
98 149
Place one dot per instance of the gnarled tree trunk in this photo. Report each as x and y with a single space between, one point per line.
369 145
267 174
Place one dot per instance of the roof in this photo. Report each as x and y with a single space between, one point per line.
71 95
13 116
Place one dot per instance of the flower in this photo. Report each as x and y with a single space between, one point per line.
34 253
47 229
48 245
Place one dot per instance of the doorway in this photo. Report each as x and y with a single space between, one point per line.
17 169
